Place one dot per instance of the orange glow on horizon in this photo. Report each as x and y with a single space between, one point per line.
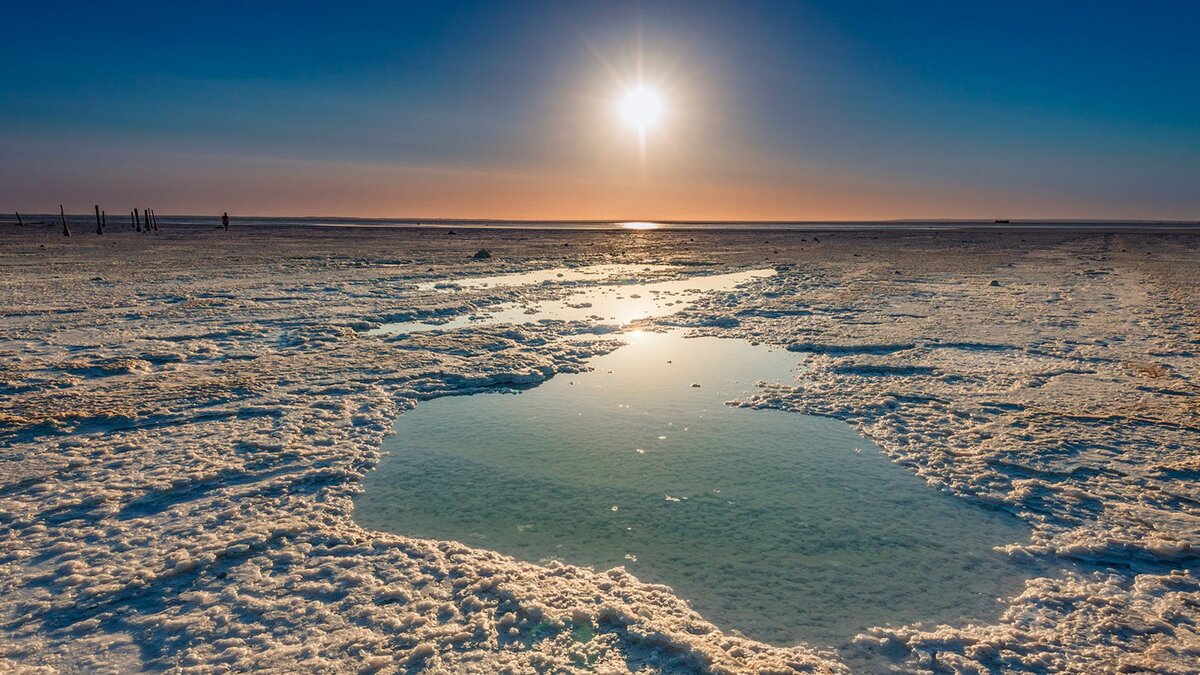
607 191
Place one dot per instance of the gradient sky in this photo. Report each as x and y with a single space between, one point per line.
775 110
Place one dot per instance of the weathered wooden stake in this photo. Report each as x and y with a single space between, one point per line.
103 220
66 230
132 221
154 219
19 221
99 227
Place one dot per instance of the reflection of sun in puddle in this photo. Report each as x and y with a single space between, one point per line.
604 304
543 276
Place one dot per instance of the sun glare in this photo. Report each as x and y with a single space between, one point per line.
642 108
639 225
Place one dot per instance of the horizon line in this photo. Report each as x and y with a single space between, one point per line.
663 221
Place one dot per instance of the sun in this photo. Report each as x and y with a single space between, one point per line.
642 108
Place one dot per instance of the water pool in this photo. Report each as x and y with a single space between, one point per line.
613 304
785 527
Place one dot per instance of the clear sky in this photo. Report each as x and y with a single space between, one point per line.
772 110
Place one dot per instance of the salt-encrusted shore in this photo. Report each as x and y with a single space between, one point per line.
184 418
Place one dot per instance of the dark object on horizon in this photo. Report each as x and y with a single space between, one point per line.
451 232
482 254
225 220
19 221
1002 221
99 227
66 230
103 220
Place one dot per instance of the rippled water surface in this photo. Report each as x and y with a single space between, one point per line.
783 526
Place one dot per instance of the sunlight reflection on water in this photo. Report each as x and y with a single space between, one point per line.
606 304
552 275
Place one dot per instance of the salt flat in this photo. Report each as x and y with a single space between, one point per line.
187 417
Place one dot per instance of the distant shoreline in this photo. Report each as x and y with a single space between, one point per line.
45 219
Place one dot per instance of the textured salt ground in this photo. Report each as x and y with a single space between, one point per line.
186 417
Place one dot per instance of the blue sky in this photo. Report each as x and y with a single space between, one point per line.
783 110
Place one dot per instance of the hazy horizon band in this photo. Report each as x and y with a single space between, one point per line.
641 224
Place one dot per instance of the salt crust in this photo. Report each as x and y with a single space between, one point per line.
186 418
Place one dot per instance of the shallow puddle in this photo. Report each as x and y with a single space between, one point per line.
783 526
608 304
607 273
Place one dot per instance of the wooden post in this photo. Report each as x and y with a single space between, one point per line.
19 221
154 219
103 220
99 227
66 230
132 221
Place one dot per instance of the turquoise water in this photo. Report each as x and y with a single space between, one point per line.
782 526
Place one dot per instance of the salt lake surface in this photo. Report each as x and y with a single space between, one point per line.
617 302
554 275
783 526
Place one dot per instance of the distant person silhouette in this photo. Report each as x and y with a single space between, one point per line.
225 220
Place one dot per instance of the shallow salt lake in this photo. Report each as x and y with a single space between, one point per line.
551 276
617 301
785 527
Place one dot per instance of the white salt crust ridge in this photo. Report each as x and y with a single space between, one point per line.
184 419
